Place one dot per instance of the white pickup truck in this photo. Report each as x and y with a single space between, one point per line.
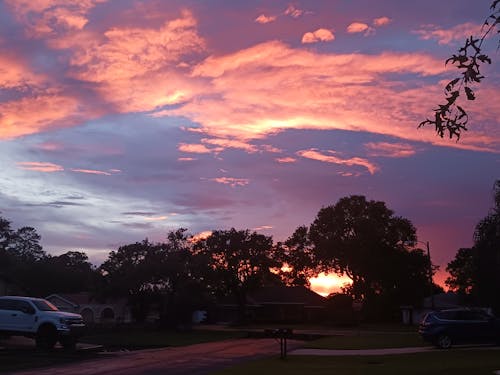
41 320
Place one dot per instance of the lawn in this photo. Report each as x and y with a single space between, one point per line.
368 340
133 339
455 362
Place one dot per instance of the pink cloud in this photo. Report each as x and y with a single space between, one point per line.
293 11
51 146
225 143
30 115
194 148
264 89
320 35
263 227
92 171
447 36
359 27
15 74
128 59
381 21
265 19
44 18
286 160
186 159
390 150
316 155
40 166
231 181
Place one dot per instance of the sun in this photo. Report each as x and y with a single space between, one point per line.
326 284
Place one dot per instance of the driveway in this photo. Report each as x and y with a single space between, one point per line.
193 359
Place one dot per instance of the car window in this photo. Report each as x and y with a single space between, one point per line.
447 315
22 306
44 305
6 304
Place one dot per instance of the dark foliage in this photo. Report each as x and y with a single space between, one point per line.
450 117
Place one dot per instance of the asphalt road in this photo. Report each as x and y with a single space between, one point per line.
194 360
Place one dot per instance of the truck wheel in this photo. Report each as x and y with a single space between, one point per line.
46 337
68 343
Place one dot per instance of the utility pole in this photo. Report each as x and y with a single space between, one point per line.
431 282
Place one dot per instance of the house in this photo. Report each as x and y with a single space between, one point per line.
277 304
92 310
8 287
442 301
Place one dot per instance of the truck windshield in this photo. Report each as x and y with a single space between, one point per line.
44 305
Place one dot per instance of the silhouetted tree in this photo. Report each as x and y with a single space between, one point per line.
365 241
298 258
237 262
450 117
463 271
476 271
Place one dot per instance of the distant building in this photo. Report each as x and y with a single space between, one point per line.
8 287
93 311
276 304
442 301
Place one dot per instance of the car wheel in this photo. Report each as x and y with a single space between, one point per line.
444 341
46 337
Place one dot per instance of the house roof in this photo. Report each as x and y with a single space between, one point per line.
286 295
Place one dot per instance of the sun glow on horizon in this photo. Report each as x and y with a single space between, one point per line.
325 284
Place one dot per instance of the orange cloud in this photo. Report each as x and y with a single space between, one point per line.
30 115
194 148
447 36
265 19
359 27
44 18
381 21
230 143
125 63
40 166
390 150
15 74
271 87
315 155
231 181
320 35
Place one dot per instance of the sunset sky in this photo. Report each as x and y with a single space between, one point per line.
123 119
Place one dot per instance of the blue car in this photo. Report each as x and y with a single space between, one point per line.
459 326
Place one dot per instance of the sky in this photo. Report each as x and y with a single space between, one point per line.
124 119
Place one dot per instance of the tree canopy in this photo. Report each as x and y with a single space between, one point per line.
476 271
237 262
367 242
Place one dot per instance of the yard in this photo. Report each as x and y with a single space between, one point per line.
455 361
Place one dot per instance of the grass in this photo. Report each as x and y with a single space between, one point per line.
141 339
456 362
368 340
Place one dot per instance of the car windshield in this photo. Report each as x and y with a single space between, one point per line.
44 305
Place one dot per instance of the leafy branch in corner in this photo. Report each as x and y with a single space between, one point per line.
450 117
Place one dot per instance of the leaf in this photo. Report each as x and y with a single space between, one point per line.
484 58
469 93
450 84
